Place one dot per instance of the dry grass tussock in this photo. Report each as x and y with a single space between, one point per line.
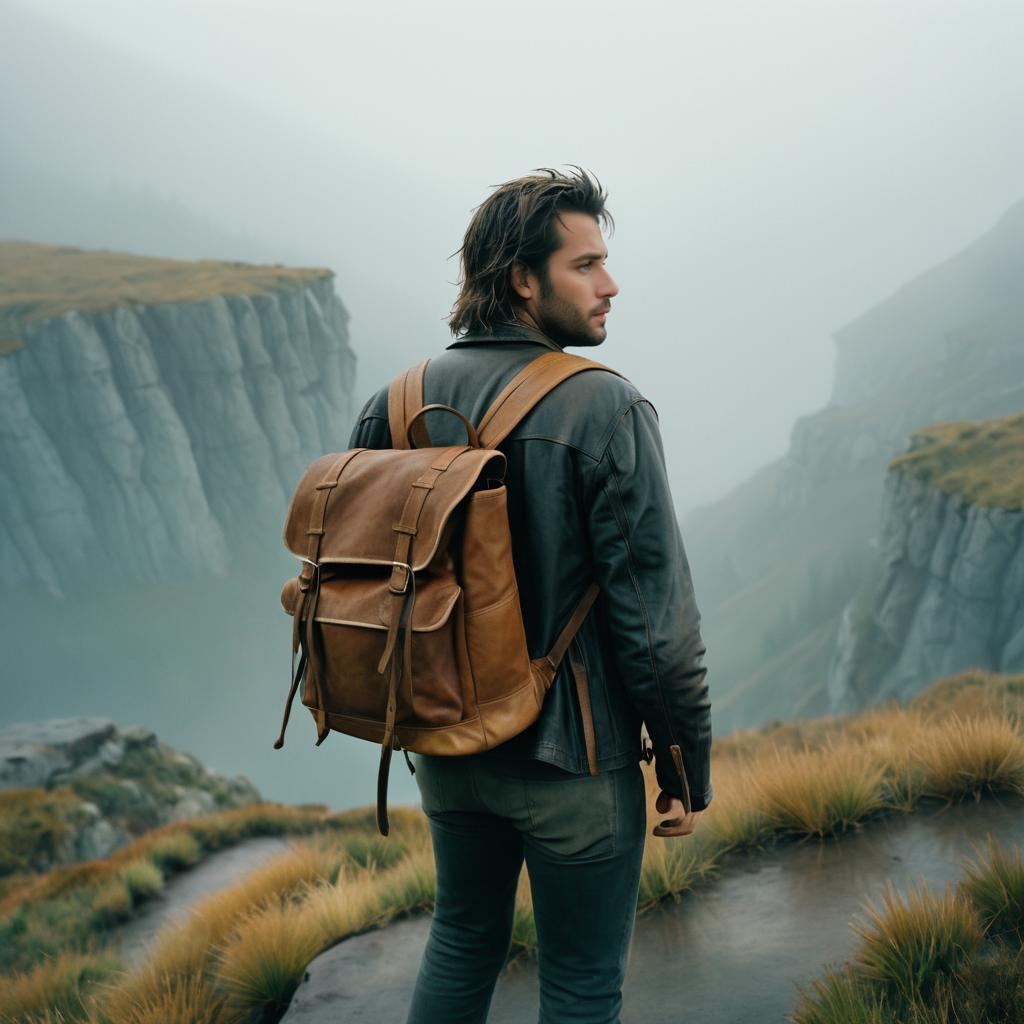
994 884
60 988
933 958
249 944
911 942
820 792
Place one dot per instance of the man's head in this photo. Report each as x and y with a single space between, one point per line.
534 254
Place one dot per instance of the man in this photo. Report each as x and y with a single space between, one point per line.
588 500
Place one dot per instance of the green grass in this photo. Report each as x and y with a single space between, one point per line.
983 461
39 282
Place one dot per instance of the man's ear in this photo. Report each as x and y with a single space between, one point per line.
521 285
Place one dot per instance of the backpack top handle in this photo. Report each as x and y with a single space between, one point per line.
410 430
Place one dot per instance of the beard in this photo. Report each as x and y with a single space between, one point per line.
563 323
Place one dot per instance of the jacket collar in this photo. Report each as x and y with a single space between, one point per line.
503 334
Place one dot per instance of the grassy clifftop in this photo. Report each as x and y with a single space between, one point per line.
982 461
39 282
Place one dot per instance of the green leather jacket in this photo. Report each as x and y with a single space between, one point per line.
588 499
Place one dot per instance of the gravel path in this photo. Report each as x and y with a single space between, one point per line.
220 869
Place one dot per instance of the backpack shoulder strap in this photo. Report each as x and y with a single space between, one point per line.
405 399
526 389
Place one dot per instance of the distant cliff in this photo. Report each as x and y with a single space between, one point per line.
155 414
949 594
777 560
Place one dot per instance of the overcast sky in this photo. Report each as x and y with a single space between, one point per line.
774 168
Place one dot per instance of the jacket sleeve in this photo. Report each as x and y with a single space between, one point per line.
370 431
650 608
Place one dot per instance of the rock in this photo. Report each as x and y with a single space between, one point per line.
137 737
36 753
112 753
948 598
191 803
154 440
107 806
241 791
99 839
944 347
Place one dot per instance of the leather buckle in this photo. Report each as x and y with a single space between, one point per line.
392 585
307 580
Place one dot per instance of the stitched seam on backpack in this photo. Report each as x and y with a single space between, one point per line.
507 599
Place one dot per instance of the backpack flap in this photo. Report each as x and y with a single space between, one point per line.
371 496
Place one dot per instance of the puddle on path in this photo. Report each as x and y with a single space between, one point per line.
220 869
729 953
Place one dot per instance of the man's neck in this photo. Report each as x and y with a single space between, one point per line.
525 319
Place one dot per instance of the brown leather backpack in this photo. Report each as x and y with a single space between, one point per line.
406 611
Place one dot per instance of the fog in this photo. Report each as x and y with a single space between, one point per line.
774 169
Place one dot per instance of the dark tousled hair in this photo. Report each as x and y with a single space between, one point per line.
516 223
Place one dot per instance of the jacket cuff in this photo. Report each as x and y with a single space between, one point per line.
671 780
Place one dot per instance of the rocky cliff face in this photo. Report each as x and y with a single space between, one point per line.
153 440
949 594
77 788
946 346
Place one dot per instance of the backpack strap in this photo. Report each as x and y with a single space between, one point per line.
526 389
516 399
405 399
579 672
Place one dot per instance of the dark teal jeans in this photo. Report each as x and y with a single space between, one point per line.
582 838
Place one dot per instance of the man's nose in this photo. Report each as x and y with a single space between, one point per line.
608 286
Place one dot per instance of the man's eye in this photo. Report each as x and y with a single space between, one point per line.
584 266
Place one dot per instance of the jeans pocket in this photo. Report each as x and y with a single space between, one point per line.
574 818
430 780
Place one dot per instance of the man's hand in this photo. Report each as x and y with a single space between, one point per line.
681 824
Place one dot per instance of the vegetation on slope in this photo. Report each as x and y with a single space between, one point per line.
243 951
928 958
39 282
72 908
982 461
42 826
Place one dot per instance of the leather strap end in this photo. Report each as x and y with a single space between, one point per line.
322 728
383 825
297 674
677 757
583 693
